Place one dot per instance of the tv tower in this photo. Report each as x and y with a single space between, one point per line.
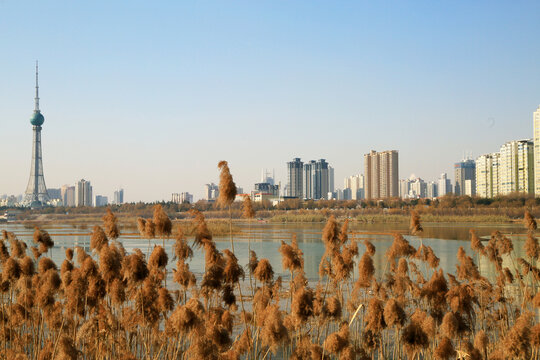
36 192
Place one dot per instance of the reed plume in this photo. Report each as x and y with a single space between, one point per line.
400 247
291 255
414 339
394 314
531 247
162 223
445 350
366 270
331 235
110 223
415 227
336 342
43 239
476 243
517 341
98 239
274 332
158 259
233 271
370 248
202 234
247 208
302 305
181 249
375 316
529 221
263 271
227 187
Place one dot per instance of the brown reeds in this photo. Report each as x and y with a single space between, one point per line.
110 304
227 187
247 208
530 222
162 223
415 227
110 223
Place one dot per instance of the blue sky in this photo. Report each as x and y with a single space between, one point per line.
151 95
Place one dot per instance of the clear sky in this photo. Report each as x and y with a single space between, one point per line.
150 95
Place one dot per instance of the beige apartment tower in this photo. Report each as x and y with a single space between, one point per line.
516 170
536 140
487 175
381 174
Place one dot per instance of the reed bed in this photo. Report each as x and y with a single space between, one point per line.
111 304
391 218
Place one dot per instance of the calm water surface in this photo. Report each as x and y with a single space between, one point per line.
265 239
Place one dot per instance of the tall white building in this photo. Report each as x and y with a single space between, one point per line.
119 197
536 130
211 191
463 171
432 190
355 184
417 188
487 175
83 193
182 198
445 185
331 186
516 167
68 195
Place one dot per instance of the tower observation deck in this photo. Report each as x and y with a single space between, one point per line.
36 195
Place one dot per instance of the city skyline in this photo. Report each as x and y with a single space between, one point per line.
131 96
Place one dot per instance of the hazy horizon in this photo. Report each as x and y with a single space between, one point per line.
150 98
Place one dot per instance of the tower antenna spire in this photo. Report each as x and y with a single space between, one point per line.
36 106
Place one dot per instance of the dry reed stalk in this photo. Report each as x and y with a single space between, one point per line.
415 227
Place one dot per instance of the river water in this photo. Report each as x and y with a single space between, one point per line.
265 239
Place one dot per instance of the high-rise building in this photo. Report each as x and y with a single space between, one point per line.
267 177
68 195
101 200
295 178
536 130
55 194
525 165
36 194
432 190
445 185
211 192
316 180
418 188
119 197
381 174
83 194
182 198
308 177
331 186
487 175
516 167
355 184
465 170
404 188
266 188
